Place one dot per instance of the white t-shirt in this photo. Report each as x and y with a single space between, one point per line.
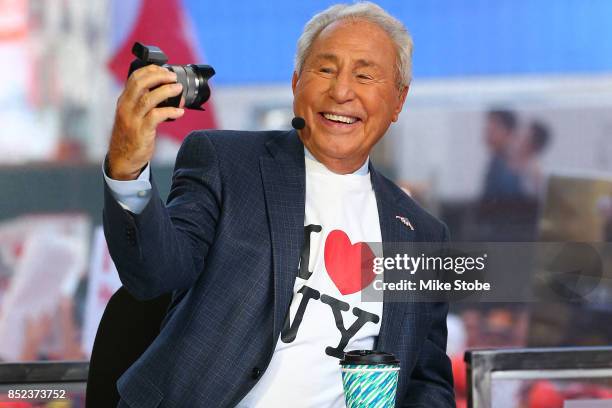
341 212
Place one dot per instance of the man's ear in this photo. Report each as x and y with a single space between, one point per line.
294 80
400 102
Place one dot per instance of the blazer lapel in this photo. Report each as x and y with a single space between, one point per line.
393 229
284 180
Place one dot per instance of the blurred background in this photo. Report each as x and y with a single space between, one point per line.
506 135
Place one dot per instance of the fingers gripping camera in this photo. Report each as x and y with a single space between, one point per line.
193 77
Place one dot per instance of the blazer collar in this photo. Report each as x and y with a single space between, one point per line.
394 215
284 183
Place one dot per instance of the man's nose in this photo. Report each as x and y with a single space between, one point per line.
341 88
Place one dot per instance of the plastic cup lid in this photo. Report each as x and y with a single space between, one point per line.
368 357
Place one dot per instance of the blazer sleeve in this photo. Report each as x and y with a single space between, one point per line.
431 382
164 248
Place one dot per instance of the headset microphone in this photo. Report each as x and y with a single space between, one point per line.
298 123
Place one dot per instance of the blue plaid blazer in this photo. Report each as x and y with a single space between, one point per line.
227 245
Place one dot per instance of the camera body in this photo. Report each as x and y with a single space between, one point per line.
194 78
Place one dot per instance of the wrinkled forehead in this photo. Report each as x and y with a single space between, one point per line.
354 30
334 59
367 43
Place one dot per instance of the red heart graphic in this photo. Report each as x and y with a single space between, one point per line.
348 265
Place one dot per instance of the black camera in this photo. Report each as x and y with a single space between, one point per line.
194 78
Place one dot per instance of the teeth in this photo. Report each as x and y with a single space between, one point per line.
339 118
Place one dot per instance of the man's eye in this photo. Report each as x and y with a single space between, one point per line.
326 70
365 77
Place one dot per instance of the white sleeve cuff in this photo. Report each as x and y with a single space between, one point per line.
132 195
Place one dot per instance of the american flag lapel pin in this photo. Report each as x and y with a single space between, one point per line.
405 221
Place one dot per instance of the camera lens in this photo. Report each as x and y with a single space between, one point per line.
194 79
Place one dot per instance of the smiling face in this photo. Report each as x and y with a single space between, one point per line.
348 93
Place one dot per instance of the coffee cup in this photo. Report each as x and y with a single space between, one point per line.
369 378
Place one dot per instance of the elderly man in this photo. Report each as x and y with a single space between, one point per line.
257 240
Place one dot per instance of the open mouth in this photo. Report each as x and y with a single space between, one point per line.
339 119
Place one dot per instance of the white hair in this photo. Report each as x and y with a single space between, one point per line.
360 11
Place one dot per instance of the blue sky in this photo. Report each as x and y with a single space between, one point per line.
254 42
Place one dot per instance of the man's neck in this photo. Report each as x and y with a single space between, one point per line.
360 170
